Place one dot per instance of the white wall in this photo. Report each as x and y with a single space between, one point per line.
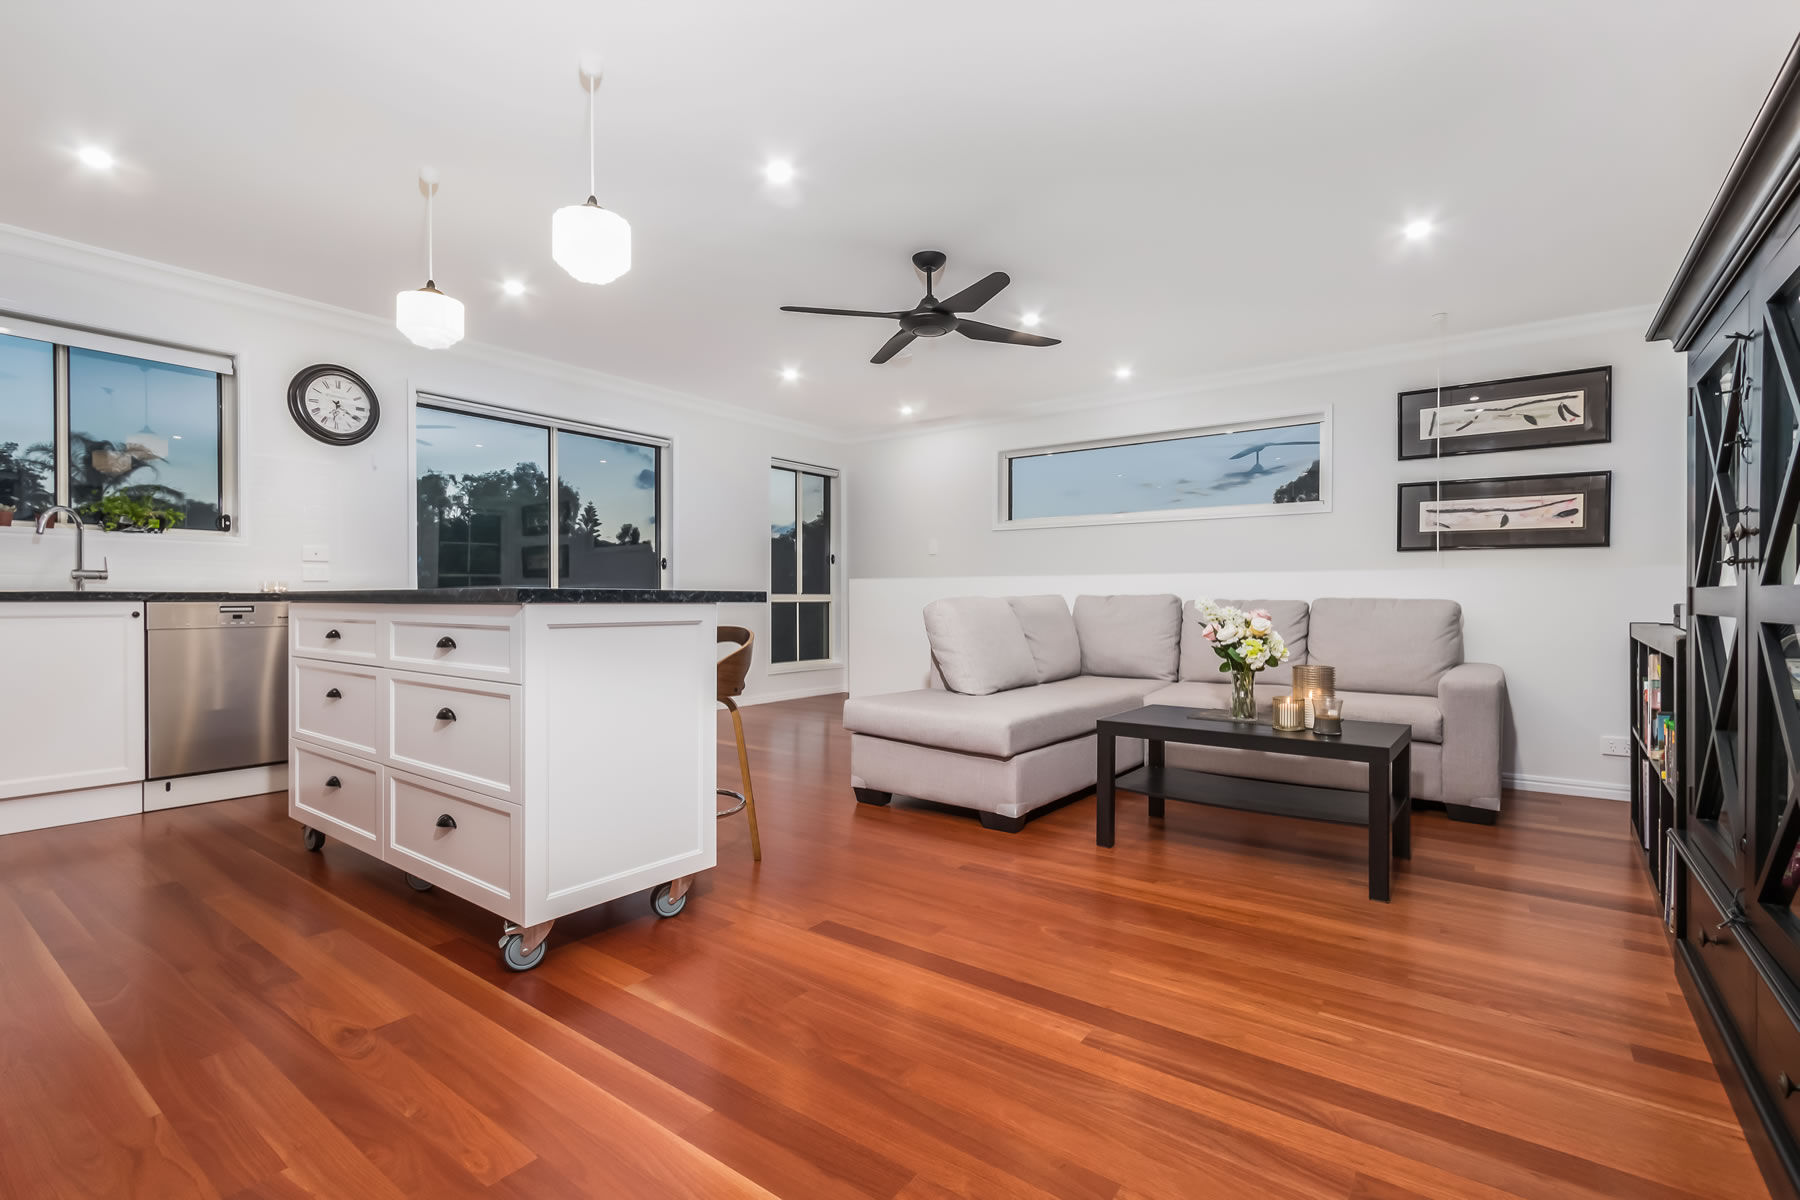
1553 619
358 500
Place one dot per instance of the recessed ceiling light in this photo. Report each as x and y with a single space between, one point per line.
95 157
778 171
1121 372
1029 320
513 287
790 374
1417 231
906 410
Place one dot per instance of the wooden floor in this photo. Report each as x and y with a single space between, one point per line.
896 1003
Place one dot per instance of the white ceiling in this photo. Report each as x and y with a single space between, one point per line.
1187 187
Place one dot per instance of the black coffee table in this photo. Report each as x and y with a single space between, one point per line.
1386 807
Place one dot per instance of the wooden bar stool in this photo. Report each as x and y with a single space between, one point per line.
733 669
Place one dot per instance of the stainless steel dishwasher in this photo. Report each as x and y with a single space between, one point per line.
216 683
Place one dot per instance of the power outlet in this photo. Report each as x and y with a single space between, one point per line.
1617 745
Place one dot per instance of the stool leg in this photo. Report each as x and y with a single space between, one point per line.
737 725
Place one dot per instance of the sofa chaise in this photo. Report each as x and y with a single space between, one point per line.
1005 724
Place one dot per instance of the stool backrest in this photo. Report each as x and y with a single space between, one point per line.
734 668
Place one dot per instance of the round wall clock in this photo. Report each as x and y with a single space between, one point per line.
334 404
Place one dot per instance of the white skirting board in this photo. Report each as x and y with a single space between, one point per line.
1568 787
220 785
798 693
69 808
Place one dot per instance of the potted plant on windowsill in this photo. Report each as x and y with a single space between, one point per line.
6 515
122 513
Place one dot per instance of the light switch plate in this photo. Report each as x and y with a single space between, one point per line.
315 572
316 552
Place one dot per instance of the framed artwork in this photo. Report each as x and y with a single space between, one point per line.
1571 408
1500 514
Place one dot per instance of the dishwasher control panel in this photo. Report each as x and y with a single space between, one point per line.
199 614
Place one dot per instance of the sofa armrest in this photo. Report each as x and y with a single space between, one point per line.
1473 697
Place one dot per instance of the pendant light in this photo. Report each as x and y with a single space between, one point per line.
427 317
146 443
587 241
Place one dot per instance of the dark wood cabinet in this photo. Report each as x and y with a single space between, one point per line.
1734 310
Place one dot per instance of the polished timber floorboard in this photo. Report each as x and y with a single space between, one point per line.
895 1003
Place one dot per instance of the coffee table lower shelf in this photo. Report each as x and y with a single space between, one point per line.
1249 795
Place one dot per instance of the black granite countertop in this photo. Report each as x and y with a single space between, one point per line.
473 595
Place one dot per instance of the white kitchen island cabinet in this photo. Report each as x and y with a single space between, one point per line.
536 753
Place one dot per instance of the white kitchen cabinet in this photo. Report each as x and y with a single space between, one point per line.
76 719
534 759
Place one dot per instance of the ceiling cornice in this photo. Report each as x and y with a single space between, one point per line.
1423 350
46 248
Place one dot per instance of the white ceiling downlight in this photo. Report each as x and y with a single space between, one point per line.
513 287
1030 320
589 242
778 172
1418 230
97 157
427 316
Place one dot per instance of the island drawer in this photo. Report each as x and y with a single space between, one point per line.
459 732
322 635
339 705
335 794
453 838
476 647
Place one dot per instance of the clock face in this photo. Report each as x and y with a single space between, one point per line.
333 404
337 404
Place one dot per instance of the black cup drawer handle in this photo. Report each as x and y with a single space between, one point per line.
445 714
446 821
333 782
446 643
334 694
1785 1084
332 635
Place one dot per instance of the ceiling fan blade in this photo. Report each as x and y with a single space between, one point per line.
894 345
841 312
976 294
993 333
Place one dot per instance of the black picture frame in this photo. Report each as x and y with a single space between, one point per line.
1595 488
1531 430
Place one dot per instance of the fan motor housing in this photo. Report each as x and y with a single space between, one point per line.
928 322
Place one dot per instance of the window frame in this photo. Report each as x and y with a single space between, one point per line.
62 338
1321 416
664 447
834 614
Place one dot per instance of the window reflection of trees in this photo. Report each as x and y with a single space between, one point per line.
98 468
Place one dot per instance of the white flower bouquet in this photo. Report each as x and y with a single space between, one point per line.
1246 642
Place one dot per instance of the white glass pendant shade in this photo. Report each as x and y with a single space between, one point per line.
590 242
429 318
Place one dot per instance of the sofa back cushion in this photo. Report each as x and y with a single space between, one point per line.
1130 637
1395 646
1049 629
1291 621
978 645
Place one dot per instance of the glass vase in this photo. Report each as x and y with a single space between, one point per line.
1243 695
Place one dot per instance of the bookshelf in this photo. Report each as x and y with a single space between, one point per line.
1657 742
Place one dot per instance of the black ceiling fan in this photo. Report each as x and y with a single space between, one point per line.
932 317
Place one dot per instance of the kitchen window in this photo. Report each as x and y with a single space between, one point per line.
122 431
1254 468
802 565
492 484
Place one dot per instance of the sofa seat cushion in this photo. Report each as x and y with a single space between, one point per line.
1129 637
1382 645
1199 662
978 645
1000 725
1423 713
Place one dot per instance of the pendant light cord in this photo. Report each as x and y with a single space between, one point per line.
591 192
430 263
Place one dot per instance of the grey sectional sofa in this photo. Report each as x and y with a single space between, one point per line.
1006 723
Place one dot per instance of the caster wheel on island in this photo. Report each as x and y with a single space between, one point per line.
311 838
665 907
417 884
516 957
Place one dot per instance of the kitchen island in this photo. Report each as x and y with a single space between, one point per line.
533 751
